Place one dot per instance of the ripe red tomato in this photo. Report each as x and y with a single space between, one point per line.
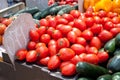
92 50
21 54
88 13
95 42
92 58
105 19
58 17
34 35
76 59
31 56
112 14
115 20
89 21
54 62
39 44
7 21
78 48
96 28
71 23
68 70
45 38
62 43
63 54
77 31
42 30
52 42
115 31
62 21
108 25
103 56
105 35
80 24
44 22
64 63
87 34
97 19
68 17
72 37
56 34
102 13
42 51
75 13
50 30
31 45
53 50
44 61
82 56
2 28
81 40
52 22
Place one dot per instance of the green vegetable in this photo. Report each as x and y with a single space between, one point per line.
117 40
37 15
116 76
84 78
117 51
105 77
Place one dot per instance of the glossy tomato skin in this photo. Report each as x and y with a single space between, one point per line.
64 63
92 58
102 13
78 48
87 34
81 40
34 35
45 38
105 19
42 51
82 56
76 59
52 50
31 56
50 30
68 70
96 42
56 34
44 22
108 25
115 31
21 54
72 37
97 19
44 61
68 17
2 28
63 54
39 44
31 45
42 30
52 22
54 62
92 50
75 13
77 31
7 21
89 21
62 21
52 42
115 20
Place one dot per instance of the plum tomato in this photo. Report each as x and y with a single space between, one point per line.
76 59
44 61
52 50
52 42
31 45
81 40
45 38
52 22
39 44
56 34
89 21
72 37
108 25
77 31
68 17
42 30
75 13
92 50
50 30
44 22
115 31
62 21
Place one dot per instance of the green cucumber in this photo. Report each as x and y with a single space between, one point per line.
117 40
114 63
84 78
117 51
54 10
116 76
90 70
37 15
110 46
46 12
105 77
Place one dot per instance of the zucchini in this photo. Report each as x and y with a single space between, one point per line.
105 77
114 63
37 15
84 78
116 76
54 10
110 46
117 40
117 51
45 12
90 70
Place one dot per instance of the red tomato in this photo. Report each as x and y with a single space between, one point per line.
68 70
54 62
44 22
95 42
34 35
42 30
50 30
75 13
105 19
63 54
115 31
44 61
21 54
72 37
52 22
31 45
62 43
108 25
64 63
82 56
52 50
31 56
62 21
77 31
78 23
42 51
81 40
88 13
45 38
89 21
96 28
87 34
52 42
102 13
92 50
92 58
68 17
76 59
58 17
97 19
78 48
2 28
105 35
103 56
116 20
112 14
7 21
71 23
56 34
39 44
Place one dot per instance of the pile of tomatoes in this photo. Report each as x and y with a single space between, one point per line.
61 41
